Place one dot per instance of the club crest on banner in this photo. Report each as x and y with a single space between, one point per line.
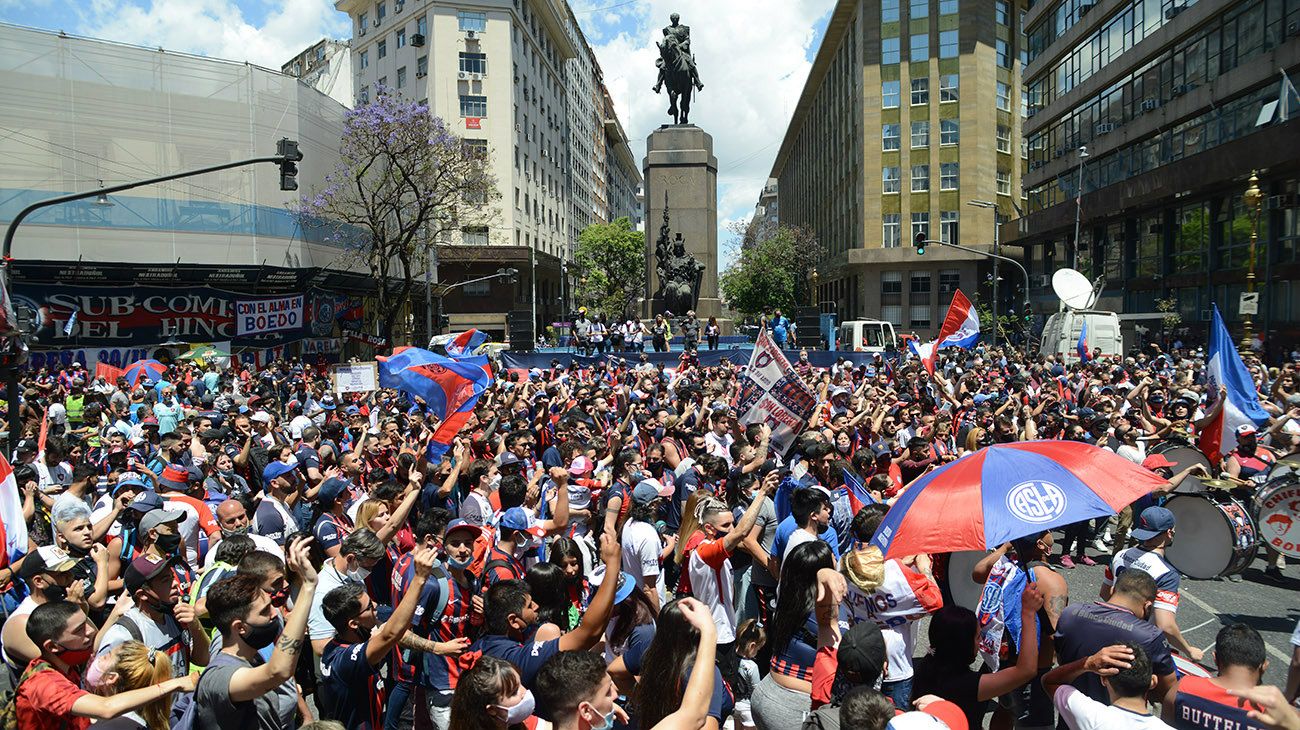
1036 501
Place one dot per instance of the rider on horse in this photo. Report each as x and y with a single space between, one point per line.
680 37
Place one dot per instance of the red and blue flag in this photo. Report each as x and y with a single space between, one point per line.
1082 345
466 343
449 386
859 497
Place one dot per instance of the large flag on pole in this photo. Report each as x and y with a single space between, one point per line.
466 343
960 328
1082 345
1224 368
771 392
13 528
450 386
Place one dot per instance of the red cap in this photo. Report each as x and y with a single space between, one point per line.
1157 461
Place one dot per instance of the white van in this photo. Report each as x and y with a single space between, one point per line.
867 335
1061 333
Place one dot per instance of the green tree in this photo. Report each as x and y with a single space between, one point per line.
611 257
771 269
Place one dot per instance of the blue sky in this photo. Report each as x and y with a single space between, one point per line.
753 57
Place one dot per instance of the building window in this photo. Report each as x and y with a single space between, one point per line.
920 224
473 106
888 11
948 88
891 230
472 21
949 131
920 179
382 83
889 134
1004 183
891 297
889 51
422 66
948 44
422 26
948 226
363 95
889 92
949 283
1004 139
382 49
919 48
1002 12
890 179
473 63
948 7
919 299
920 92
1003 51
363 59
363 21
401 78
1004 97
381 12
918 9
948 175
920 134
401 37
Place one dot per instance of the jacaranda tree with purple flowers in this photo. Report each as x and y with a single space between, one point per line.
405 181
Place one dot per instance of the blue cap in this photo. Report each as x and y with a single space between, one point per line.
275 469
330 489
128 480
516 518
351 410
1154 520
626 584
146 502
459 524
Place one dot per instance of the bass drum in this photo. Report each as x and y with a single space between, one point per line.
965 592
1214 535
1182 457
1277 512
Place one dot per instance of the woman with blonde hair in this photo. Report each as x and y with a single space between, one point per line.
127 666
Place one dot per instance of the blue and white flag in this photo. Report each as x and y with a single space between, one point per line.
71 324
1224 367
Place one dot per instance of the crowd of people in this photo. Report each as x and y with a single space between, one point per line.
230 547
595 334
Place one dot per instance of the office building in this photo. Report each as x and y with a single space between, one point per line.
911 112
326 66
767 210
622 174
517 78
1177 102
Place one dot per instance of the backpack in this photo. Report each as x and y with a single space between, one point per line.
9 700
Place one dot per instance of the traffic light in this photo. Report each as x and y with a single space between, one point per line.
920 243
288 149
511 275
444 322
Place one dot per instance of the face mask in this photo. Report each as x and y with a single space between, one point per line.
606 722
657 470
635 477
237 531
359 575
495 483
260 637
461 564
75 657
56 593
168 543
521 711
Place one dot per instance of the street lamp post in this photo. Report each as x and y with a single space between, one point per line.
1078 210
1253 197
996 250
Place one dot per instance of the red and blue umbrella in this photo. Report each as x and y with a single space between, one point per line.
1008 491
151 370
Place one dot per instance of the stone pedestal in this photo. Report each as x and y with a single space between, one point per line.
679 160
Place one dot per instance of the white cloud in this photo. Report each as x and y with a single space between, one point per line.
753 61
217 28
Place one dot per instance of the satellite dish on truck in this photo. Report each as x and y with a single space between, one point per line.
1074 289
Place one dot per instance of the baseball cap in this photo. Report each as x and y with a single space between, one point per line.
278 468
862 651
260 417
1152 522
580 466
648 490
128 480
46 559
330 489
153 518
917 720
506 458
146 501
626 584
175 476
459 524
516 518
327 402
27 446
142 570
1157 461
149 421
1246 429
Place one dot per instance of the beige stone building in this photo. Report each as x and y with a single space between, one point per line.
911 112
516 77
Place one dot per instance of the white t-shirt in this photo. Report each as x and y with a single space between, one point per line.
476 510
58 415
719 445
263 543
296 426
1082 712
710 573
641 549
797 538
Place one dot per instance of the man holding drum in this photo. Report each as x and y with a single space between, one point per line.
1154 533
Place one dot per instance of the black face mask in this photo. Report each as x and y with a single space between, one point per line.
260 637
168 543
56 593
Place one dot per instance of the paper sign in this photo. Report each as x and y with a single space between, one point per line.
355 377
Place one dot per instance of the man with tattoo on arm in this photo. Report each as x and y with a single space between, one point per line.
240 690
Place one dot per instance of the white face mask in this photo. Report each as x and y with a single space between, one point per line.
358 575
495 483
521 711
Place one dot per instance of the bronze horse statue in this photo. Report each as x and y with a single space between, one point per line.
677 72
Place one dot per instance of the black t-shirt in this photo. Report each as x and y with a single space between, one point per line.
1086 628
959 685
